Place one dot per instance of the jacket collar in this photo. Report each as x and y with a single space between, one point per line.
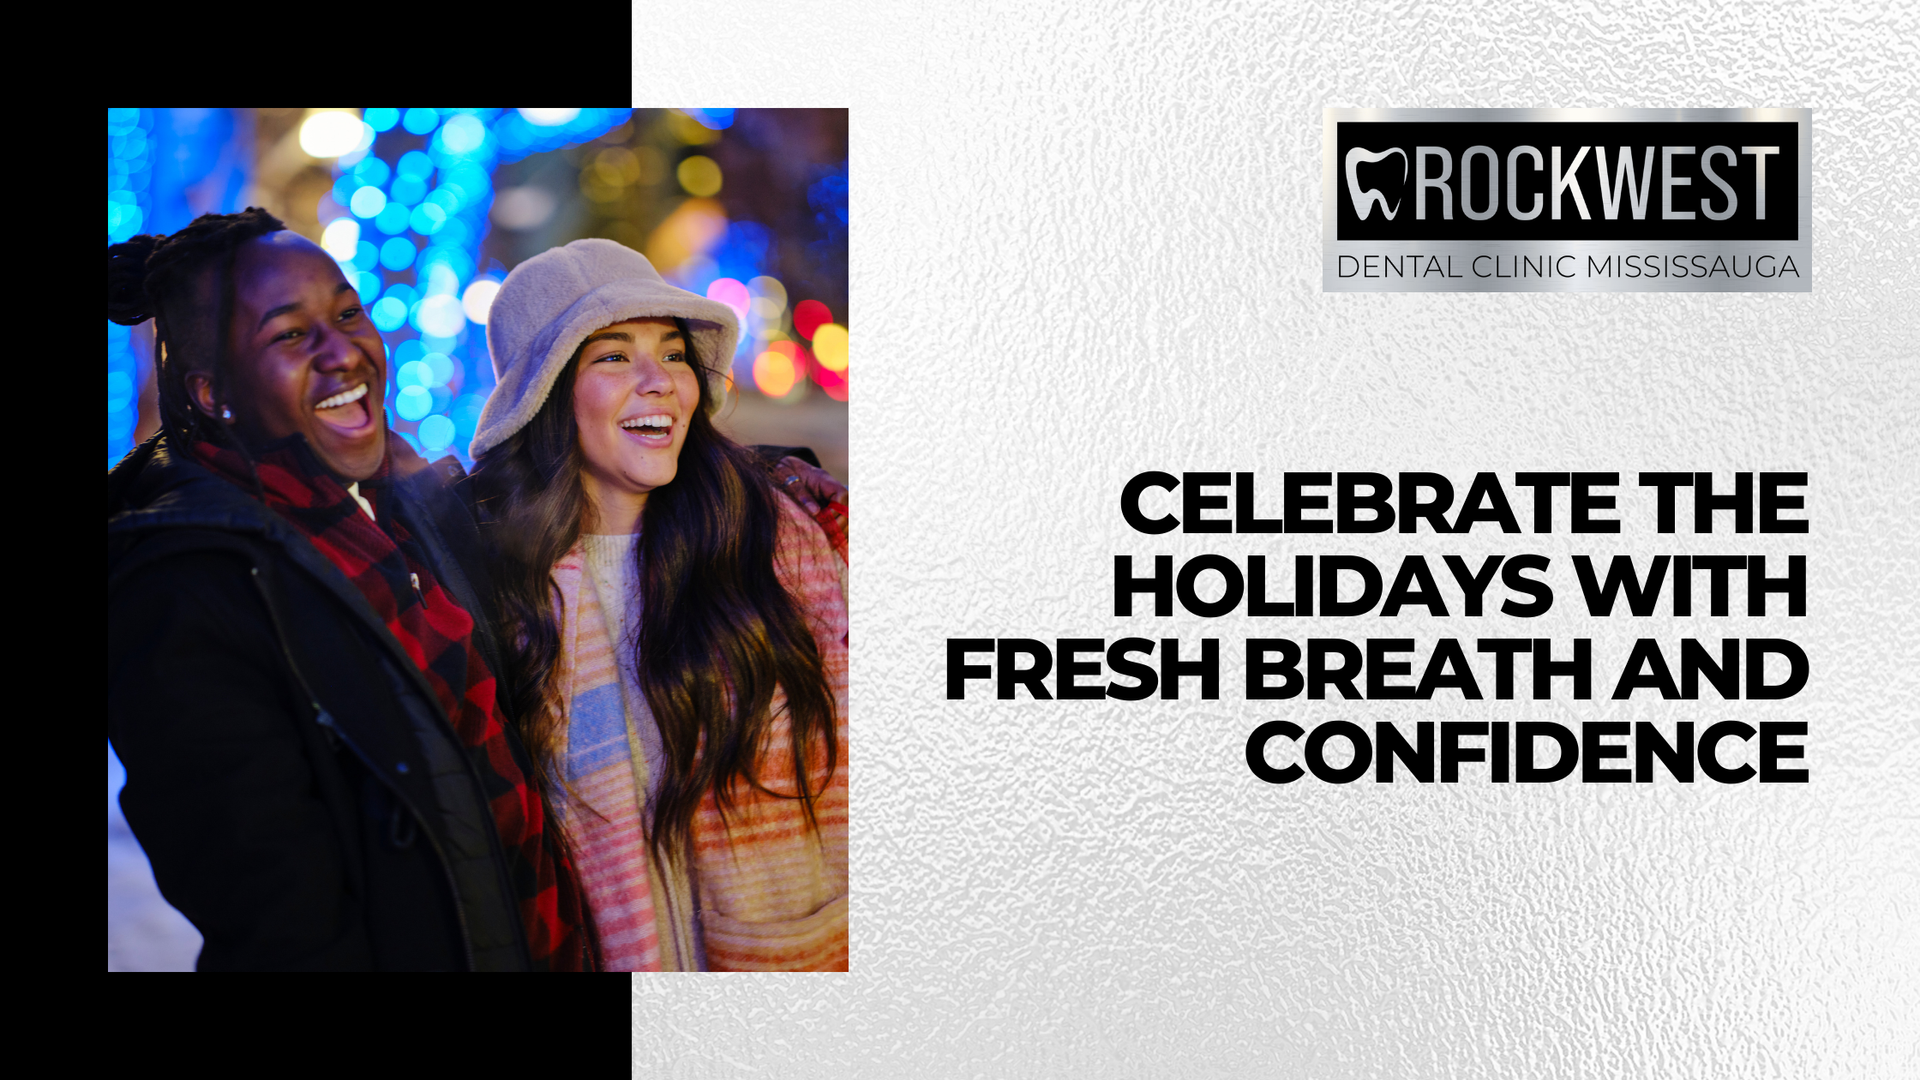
166 491
157 487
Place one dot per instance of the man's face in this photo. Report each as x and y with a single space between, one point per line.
304 357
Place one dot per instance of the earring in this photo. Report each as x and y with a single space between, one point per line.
226 414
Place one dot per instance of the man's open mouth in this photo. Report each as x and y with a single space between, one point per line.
348 412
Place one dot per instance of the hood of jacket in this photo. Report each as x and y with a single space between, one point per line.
154 487
156 491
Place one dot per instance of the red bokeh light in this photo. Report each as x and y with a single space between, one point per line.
833 382
808 316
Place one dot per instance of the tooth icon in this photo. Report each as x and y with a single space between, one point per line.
1364 201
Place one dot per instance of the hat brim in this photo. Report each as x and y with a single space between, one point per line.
714 326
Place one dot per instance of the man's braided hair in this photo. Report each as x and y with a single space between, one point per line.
155 277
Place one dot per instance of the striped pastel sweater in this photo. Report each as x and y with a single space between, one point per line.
760 893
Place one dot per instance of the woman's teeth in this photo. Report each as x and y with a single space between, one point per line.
657 424
347 398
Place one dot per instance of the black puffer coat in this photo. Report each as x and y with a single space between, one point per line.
299 790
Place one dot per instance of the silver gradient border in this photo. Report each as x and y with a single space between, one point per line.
1463 251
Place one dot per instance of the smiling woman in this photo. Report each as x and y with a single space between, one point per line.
678 629
633 390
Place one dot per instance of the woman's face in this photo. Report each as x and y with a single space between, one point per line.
634 392
304 357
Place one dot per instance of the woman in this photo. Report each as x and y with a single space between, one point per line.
318 764
678 630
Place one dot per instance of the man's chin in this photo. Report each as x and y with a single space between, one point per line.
355 462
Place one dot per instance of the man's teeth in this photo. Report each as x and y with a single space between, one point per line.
346 398
662 422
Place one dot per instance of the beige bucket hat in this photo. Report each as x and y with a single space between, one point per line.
550 303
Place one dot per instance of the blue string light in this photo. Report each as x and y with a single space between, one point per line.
155 157
433 203
422 213
129 174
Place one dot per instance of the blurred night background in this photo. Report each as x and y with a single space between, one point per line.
428 209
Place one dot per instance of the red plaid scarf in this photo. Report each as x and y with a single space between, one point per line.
391 570
833 518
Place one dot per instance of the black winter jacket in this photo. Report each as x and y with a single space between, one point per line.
299 790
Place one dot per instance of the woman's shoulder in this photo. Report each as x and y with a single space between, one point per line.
806 562
801 535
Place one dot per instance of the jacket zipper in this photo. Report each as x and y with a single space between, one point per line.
424 528
494 843
325 720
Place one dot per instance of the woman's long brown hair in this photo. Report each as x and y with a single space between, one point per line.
718 632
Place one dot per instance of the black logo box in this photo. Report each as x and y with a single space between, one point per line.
1490 178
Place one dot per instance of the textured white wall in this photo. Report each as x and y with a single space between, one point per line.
1087 243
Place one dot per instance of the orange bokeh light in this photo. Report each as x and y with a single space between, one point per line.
692 228
775 372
